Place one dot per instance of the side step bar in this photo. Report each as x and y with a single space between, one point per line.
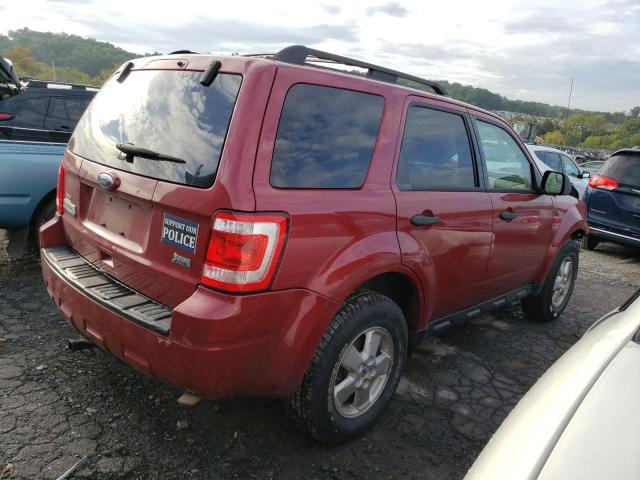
97 285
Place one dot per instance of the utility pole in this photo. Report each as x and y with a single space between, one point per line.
53 66
566 115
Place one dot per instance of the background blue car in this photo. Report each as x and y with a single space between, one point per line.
613 201
36 121
28 177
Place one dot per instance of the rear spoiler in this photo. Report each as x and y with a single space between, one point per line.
8 73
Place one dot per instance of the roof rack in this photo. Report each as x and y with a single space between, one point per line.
50 84
299 54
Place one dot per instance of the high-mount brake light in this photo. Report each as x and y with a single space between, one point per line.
60 191
244 250
602 182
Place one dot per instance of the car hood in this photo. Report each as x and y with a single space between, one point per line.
602 440
8 73
527 439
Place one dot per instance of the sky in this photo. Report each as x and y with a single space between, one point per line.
528 50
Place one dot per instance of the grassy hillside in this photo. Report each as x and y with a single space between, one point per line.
87 55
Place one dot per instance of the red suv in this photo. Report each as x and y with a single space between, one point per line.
265 226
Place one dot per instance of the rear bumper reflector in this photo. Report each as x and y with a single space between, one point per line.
92 282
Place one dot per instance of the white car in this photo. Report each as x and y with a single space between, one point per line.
549 158
582 418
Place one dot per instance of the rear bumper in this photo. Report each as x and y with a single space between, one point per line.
614 236
217 345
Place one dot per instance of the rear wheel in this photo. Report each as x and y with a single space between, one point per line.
354 372
589 242
557 288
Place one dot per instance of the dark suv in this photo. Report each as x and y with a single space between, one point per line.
613 201
262 226
41 111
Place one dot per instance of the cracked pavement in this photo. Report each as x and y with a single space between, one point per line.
57 406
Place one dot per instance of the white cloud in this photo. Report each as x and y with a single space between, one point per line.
528 50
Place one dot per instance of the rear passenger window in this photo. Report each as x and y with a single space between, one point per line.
30 112
325 138
507 166
76 107
551 159
435 152
56 108
570 167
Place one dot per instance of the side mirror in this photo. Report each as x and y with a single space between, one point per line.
556 183
585 175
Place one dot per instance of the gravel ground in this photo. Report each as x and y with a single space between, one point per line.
57 406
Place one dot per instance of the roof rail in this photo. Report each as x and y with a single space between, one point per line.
50 84
299 54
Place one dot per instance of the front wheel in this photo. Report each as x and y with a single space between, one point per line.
557 288
354 371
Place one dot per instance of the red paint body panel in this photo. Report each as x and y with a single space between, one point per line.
220 345
518 245
223 344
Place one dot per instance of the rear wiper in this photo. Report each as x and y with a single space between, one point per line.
130 151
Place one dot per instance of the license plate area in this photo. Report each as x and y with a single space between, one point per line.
124 217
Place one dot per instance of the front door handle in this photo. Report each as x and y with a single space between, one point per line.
507 216
422 220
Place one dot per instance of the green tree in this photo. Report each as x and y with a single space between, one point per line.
554 138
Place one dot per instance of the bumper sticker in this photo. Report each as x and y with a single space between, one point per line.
179 233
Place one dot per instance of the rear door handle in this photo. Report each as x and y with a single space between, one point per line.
423 220
508 216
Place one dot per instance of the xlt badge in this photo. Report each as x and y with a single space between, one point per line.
69 206
180 260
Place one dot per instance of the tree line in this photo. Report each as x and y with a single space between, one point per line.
594 131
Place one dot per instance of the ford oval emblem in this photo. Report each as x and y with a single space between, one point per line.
107 181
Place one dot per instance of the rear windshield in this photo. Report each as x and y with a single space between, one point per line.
623 168
168 112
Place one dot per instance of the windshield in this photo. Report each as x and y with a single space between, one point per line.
166 111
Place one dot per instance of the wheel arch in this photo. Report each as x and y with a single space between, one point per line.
400 288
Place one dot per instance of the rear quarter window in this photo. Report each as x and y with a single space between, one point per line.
325 138
623 168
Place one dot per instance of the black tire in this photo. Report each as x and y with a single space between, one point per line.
589 242
312 406
45 212
540 307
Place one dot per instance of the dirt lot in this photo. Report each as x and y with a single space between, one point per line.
56 406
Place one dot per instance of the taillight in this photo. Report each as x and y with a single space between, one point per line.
60 190
6 116
600 181
244 250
